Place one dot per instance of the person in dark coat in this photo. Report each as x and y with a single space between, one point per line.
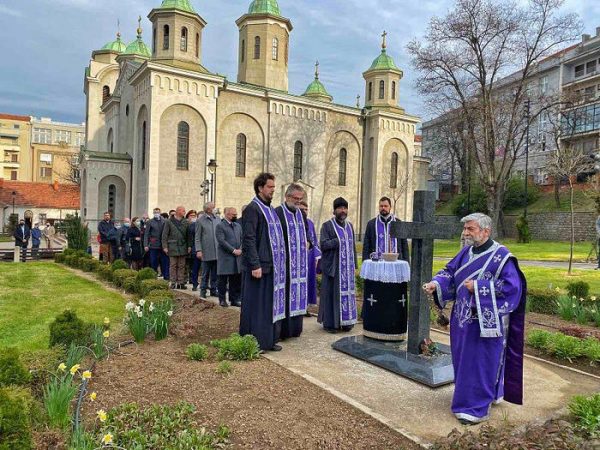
36 240
194 263
377 235
229 251
153 245
291 218
206 249
107 233
175 244
122 239
258 316
337 306
134 248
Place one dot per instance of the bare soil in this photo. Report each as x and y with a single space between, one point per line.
264 405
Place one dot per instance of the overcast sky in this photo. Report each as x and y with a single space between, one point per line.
46 44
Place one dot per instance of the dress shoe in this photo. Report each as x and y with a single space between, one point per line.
173 285
276 348
237 304
203 293
195 288
223 303
183 286
214 294
331 330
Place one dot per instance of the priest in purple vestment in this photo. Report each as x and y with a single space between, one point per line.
296 243
314 255
263 267
487 324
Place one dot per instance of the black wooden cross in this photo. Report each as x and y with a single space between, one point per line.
422 230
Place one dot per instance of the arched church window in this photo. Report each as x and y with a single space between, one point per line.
342 168
112 199
275 49
143 145
382 89
184 39
166 37
105 93
394 171
298 147
257 47
370 90
110 140
240 155
393 90
154 41
183 146
243 50
197 45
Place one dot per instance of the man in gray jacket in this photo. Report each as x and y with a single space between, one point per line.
206 249
153 245
229 238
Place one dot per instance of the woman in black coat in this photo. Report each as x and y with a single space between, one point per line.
135 251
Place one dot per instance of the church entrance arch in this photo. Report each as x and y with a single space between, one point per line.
111 197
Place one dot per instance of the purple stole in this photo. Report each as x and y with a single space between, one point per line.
298 258
382 243
348 313
278 252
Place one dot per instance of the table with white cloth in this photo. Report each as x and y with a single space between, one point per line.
385 302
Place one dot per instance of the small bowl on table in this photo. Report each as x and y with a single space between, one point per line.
390 257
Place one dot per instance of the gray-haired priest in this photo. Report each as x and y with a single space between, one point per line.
263 267
295 234
337 306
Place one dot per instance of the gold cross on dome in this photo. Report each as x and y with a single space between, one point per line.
383 43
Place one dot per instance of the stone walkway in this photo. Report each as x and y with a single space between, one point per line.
418 412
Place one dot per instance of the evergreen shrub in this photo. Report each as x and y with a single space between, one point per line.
544 301
67 328
12 369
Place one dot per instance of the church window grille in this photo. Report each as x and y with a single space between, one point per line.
183 146
393 90
243 50
394 171
127 110
143 145
342 169
112 199
154 41
240 156
370 90
275 49
257 47
166 37
105 93
298 147
197 45
184 39
382 89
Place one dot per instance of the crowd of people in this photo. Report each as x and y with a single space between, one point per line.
23 234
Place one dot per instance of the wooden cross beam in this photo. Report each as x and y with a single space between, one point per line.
422 231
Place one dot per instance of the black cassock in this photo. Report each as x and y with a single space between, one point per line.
257 306
370 242
329 301
290 326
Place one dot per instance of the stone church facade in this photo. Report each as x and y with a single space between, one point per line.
156 118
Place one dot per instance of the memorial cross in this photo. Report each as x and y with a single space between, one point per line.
422 231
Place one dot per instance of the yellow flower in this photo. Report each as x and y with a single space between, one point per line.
86 375
101 415
106 334
74 369
106 321
93 396
557 289
62 367
593 298
107 439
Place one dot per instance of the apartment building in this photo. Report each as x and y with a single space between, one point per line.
15 135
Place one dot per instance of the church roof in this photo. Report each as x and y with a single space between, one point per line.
316 89
116 46
138 47
264 7
182 5
383 62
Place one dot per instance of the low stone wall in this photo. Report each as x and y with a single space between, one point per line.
555 226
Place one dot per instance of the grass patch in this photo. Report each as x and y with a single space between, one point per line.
550 278
33 294
535 250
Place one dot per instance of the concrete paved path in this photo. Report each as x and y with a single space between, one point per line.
414 410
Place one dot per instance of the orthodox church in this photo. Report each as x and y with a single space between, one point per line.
163 130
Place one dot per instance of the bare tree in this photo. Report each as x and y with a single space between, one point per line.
402 186
71 172
465 62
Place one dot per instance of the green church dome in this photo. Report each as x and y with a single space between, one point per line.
264 7
383 62
116 46
138 47
316 89
183 5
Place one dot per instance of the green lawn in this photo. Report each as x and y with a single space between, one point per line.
535 250
32 294
542 277
6 238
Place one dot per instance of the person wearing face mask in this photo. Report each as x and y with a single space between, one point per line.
295 236
206 249
22 234
152 243
377 235
488 320
135 251
337 306
229 251
123 243
194 263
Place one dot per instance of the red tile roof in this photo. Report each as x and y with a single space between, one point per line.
14 117
39 195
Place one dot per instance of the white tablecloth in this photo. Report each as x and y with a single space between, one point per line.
386 272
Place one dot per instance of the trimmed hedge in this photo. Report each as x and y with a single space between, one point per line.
67 328
147 286
104 272
12 370
120 275
579 289
16 408
118 265
147 273
544 301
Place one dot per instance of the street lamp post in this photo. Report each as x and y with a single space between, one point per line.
212 169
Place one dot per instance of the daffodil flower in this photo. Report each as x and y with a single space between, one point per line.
74 369
142 302
107 439
593 298
169 313
106 321
129 306
140 313
101 415
93 396
106 334
62 367
86 375
151 308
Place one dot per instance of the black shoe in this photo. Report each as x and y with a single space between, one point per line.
202 293
194 289
173 286
276 348
237 304
466 422
223 303
183 286
331 330
214 294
